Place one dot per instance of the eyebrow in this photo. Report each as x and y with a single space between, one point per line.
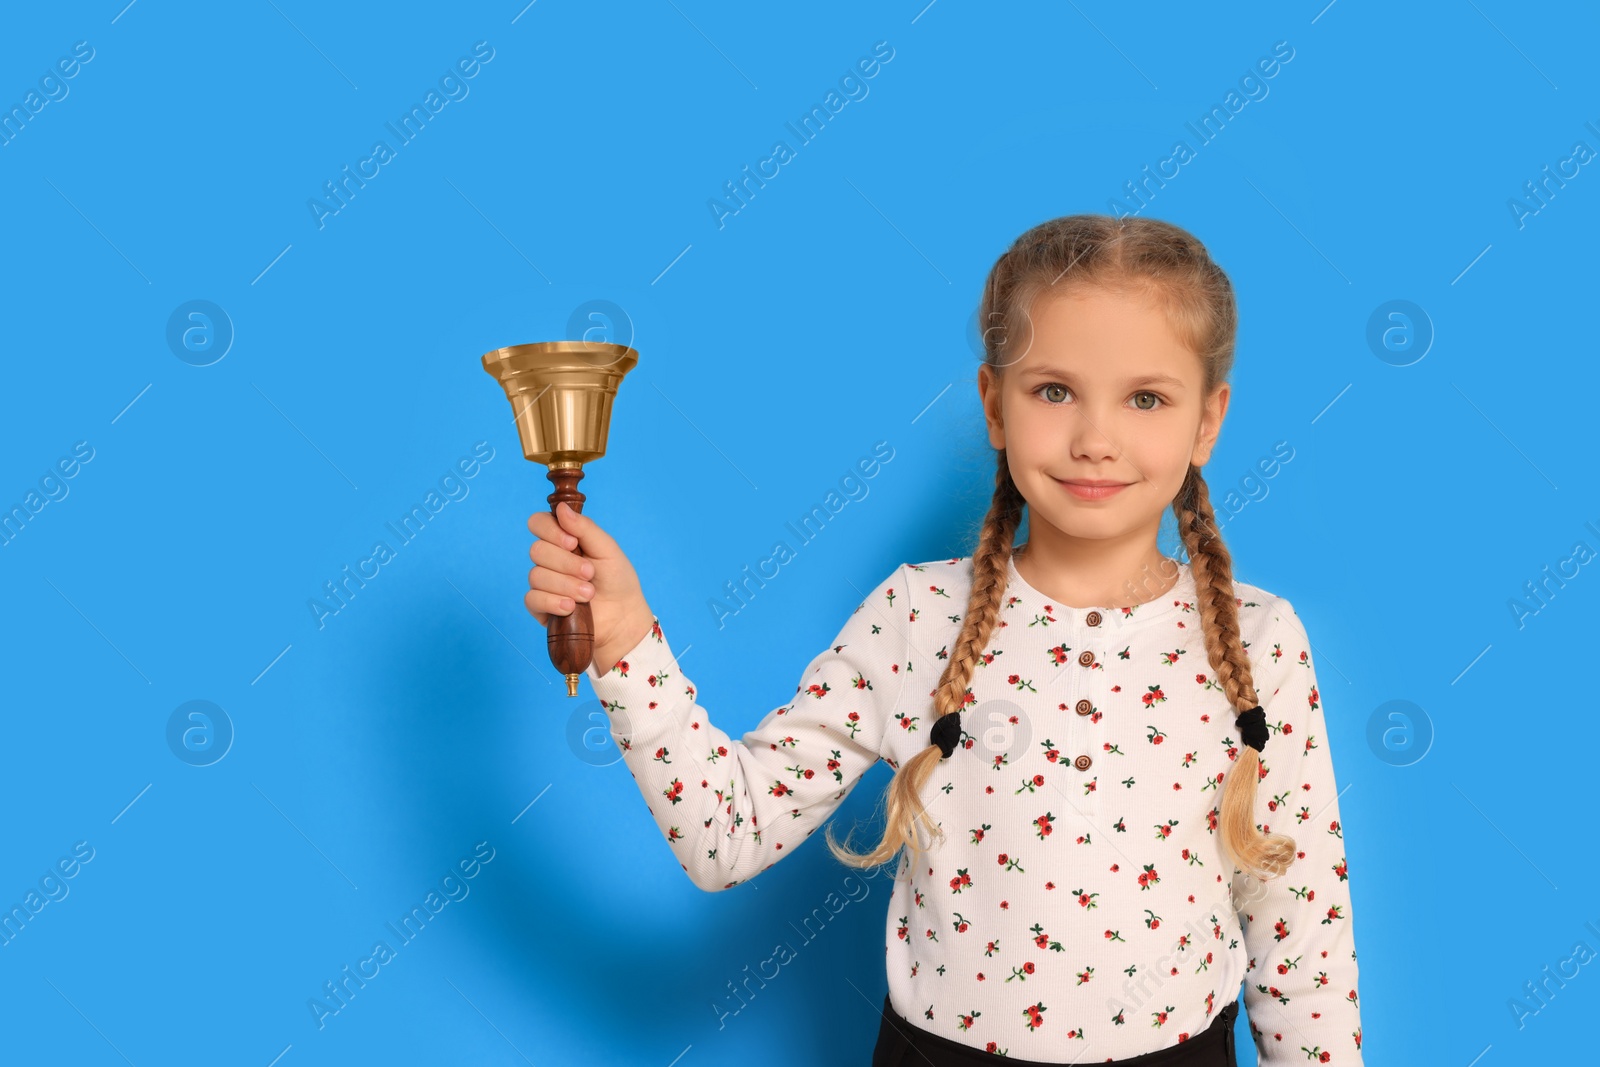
1147 379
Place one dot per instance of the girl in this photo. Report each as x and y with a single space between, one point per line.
1095 850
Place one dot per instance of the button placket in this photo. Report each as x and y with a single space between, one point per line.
1087 659
1073 733
1085 630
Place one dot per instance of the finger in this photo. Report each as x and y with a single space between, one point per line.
544 606
543 525
593 540
548 554
545 580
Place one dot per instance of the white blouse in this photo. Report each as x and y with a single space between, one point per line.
1079 907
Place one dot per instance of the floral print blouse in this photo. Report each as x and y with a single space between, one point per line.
1078 907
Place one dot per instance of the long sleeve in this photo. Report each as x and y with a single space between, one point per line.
730 808
1300 986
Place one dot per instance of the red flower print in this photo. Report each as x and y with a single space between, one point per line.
718 829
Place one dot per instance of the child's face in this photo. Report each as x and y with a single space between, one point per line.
1073 407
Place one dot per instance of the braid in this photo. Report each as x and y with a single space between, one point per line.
1252 851
1056 257
905 811
989 567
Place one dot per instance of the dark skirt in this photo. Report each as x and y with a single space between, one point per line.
901 1043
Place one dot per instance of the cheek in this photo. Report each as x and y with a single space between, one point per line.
1163 459
1025 433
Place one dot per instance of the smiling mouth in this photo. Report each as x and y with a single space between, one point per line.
1091 489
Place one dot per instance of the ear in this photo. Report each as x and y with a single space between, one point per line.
1216 406
989 397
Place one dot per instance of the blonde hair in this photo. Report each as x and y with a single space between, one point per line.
1157 259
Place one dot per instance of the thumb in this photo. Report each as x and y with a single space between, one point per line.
594 541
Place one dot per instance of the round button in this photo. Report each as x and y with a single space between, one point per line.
1092 619
1082 763
1083 707
1086 658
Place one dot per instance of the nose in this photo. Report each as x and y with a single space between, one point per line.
1088 441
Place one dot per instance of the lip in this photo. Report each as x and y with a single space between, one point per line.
1092 488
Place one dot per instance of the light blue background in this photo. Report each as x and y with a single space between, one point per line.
832 312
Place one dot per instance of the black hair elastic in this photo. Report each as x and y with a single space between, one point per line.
946 733
1253 724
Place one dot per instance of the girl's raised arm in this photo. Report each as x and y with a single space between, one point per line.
730 808
1300 989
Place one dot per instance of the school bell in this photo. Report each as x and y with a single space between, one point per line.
561 394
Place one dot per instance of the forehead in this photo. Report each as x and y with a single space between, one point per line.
1100 333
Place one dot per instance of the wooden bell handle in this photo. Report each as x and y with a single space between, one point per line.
570 636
